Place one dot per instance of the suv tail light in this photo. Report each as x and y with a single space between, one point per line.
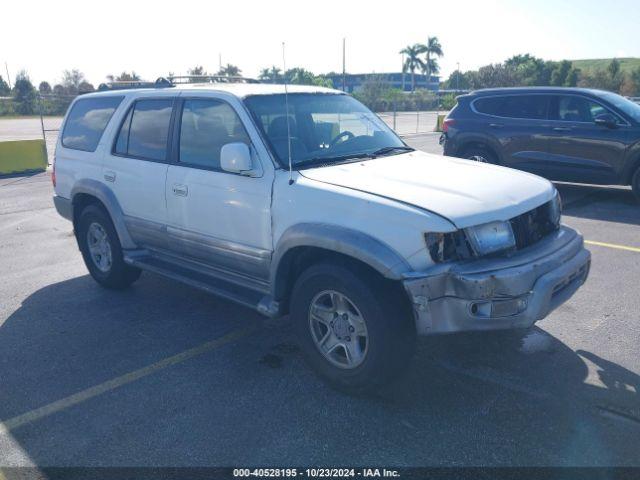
53 172
448 122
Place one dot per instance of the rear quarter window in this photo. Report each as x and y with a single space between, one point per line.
86 122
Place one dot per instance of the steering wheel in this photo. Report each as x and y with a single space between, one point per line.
346 134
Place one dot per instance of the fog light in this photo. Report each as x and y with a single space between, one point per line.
498 308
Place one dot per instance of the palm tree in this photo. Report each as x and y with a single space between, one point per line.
413 61
433 49
230 71
273 74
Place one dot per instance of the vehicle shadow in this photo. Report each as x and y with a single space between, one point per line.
466 400
611 204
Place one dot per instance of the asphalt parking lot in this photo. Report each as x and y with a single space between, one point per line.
165 375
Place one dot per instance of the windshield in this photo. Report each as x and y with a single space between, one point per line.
324 128
625 105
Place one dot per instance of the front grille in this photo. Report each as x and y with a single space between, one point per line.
532 226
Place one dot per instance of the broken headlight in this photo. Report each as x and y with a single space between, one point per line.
491 237
445 247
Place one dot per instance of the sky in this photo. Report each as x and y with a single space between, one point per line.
155 38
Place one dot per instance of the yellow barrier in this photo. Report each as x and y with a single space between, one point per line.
439 122
22 156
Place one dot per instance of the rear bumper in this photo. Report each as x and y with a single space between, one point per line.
64 207
500 293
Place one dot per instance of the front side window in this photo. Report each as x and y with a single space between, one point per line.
86 122
572 108
205 127
322 128
145 130
627 106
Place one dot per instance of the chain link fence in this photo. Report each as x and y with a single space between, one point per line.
41 116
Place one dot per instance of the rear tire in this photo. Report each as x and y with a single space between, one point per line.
480 154
101 250
635 184
355 333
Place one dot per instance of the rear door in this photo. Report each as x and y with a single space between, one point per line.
519 122
136 168
580 150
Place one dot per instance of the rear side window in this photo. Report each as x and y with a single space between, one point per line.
515 106
206 126
86 122
488 106
145 130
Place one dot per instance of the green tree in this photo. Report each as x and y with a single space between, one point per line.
614 68
5 91
457 80
24 94
44 88
635 79
124 77
272 75
85 87
560 73
573 77
71 80
494 75
433 49
413 62
197 71
230 70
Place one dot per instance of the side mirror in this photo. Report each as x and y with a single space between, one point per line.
236 158
606 120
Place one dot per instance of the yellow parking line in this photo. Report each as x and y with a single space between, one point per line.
613 245
112 384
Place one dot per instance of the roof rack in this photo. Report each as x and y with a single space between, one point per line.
210 79
161 82
167 82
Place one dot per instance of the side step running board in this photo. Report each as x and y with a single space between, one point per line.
227 290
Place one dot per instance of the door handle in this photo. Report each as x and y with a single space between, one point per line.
180 190
496 125
561 129
110 176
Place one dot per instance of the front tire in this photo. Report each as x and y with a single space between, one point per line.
101 250
356 332
480 154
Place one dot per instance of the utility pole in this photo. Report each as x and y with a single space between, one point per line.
458 76
344 70
8 77
219 62
402 70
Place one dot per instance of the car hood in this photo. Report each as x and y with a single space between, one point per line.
467 193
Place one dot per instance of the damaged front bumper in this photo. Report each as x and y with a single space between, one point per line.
500 293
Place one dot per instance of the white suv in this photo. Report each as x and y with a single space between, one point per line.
366 242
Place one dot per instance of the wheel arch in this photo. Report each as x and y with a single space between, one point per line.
304 244
91 192
476 141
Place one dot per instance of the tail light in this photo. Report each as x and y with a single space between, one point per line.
448 122
53 172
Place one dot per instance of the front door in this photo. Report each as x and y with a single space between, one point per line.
222 219
580 150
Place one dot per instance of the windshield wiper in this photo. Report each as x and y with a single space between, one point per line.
387 150
319 161
335 160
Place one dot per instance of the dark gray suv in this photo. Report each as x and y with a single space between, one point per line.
565 134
